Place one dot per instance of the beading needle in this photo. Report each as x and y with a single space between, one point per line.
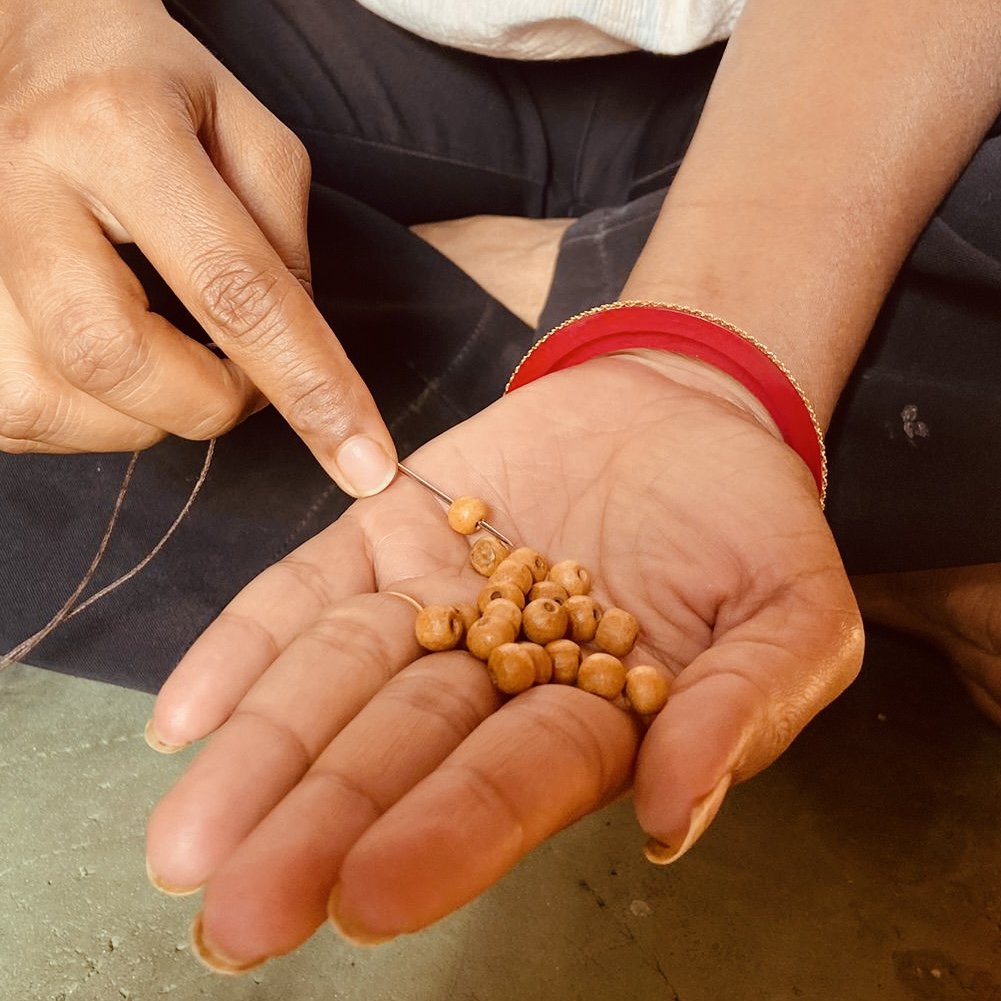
442 496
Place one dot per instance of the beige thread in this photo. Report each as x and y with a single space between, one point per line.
67 611
406 597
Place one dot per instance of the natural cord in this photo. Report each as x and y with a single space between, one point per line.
70 608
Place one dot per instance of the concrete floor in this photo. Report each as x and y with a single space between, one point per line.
865 866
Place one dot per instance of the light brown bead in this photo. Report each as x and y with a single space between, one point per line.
534 560
548 589
602 674
487 554
506 609
647 689
544 621
514 571
439 627
542 661
566 661
468 612
617 632
501 589
486 634
572 576
511 668
584 614
465 514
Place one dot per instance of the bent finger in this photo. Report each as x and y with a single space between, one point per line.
92 321
41 413
214 256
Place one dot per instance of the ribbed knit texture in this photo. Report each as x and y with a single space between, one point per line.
564 29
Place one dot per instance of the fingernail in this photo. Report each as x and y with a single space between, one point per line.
364 466
212 958
171 891
665 852
352 933
149 733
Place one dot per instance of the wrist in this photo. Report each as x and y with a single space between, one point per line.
704 378
819 348
626 326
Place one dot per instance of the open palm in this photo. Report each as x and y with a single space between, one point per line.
355 775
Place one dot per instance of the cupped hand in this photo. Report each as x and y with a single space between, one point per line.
117 126
353 774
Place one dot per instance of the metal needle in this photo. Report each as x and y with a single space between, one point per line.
442 496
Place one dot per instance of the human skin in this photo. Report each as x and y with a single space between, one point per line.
809 177
117 126
663 478
354 771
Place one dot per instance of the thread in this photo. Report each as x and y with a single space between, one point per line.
69 607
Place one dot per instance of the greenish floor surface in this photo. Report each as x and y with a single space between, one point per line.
865 866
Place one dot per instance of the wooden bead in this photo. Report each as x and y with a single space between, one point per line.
542 661
506 609
487 554
565 655
502 589
511 668
570 575
602 674
439 627
468 612
647 689
465 514
584 614
534 560
617 632
548 589
514 571
544 621
486 634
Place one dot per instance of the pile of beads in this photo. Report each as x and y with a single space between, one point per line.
534 623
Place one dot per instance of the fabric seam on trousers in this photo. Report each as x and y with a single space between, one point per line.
606 230
420 154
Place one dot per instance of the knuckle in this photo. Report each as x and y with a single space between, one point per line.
97 352
27 410
110 103
222 408
147 438
295 156
287 157
314 405
241 299
227 414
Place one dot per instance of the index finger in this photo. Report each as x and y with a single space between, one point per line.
206 245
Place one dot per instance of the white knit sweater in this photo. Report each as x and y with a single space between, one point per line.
563 29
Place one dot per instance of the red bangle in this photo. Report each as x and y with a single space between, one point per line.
619 326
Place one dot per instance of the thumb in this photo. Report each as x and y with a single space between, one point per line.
734 710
